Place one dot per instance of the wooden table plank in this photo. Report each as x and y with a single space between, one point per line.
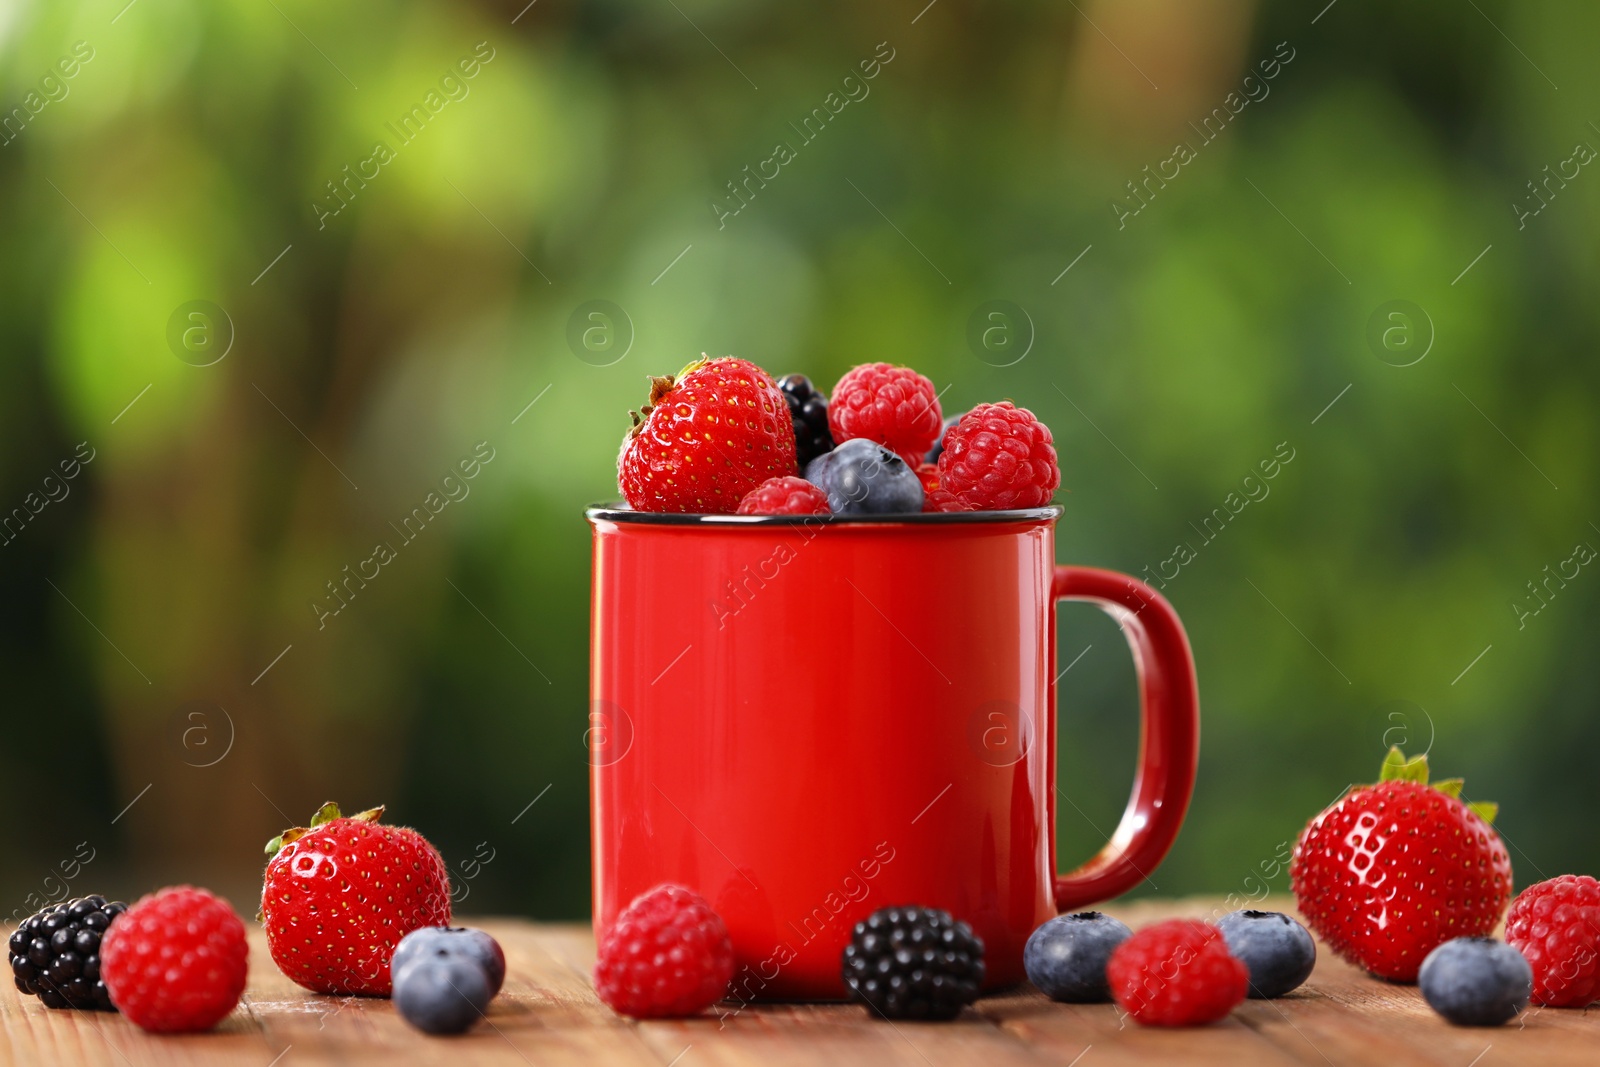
548 1015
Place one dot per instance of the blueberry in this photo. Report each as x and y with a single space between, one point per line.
436 941
1476 981
862 477
1066 957
1278 950
816 471
938 446
442 994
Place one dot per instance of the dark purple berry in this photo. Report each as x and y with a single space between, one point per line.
808 409
55 953
913 963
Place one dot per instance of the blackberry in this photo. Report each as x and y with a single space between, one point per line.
808 408
55 953
914 963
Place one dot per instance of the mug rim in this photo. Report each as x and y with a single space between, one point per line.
621 513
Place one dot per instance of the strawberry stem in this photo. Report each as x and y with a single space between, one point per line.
1396 768
325 814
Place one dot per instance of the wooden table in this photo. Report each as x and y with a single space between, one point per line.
548 1015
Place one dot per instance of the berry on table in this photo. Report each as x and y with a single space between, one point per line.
894 406
784 496
1556 926
430 942
339 895
1476 981
808 410
176 961
1177 973
1066 956
1391 871
55 953
442 992
862 477
913 963
667 954
710 434
999 457
1278 951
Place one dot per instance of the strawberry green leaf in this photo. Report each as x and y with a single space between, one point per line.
289 836
1450 787
1396 768
325 814
1485 810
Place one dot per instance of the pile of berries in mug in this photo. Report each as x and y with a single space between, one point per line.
722 437
1402 878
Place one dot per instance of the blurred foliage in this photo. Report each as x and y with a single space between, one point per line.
376 347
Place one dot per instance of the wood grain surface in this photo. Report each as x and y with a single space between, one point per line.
548 1015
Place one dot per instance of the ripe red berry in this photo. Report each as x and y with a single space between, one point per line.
934 496
997 457
1177 973
338 897
667 954
784 496
1394 870
176 960
942 500
894 406
709 435
1556 925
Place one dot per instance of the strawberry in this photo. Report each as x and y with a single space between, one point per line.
339 896
1392 871
708 436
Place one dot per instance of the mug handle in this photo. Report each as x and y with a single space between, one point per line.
1169 735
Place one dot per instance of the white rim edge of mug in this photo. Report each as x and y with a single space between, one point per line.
612 512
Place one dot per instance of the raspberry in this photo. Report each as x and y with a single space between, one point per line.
1556 925
667 954
176 960
1177 973
999 457
894 406
934 496
942 500
784 496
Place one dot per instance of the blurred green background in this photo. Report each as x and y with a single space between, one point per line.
172 696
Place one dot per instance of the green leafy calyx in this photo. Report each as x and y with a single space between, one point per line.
325 814
1397 768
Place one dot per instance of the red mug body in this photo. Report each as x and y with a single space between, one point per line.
807 719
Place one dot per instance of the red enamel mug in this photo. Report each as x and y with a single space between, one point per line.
808 718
